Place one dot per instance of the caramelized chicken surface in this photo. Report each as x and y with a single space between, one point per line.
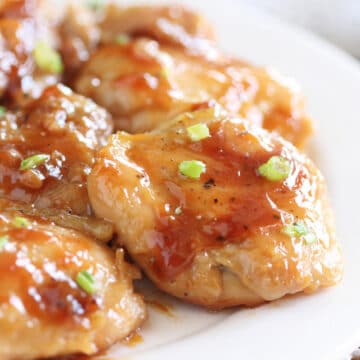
24 24
144 84
79 37
66 129
231 236
170 24
45 310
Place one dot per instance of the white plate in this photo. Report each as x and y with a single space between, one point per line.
325 325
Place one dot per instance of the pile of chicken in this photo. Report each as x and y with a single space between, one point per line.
202 184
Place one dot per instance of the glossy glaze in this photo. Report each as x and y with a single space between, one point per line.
22 24
231 218
170 24
68 128
43 311
144 84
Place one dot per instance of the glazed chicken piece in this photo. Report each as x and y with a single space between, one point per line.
61 292
218 211
47 150
172 25
144 84
28 60
79 37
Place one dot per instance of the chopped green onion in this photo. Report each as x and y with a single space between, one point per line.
47 59
192 168
2 110
86 281
34 161
3 240
277 168
122 39
296 229
299 229
21 222
198 132
95 4
178 210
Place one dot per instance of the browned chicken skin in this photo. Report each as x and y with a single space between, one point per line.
43 310
64 126
218 240
144 84
172 25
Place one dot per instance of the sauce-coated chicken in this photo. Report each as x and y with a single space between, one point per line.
79 36
66 130
221 230
144 84
45 308
172 25
23 27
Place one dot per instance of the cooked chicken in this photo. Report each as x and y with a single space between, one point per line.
79 34
28 61
61 292
144 84
172 24
48 148
217 211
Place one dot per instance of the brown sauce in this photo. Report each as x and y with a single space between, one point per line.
52 300
250 207
166 309
133 339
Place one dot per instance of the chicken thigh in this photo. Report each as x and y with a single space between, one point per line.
170 24
144 84
46 152
61 292
28 59
217 211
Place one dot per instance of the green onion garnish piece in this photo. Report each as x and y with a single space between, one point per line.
198 132
299 229
296 229
2 110
192 168
34 161
277 168
47 59
178 210
3 240
122 39
86 281
21 222
95 4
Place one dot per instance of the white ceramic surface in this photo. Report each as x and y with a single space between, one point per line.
325 325
336 20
